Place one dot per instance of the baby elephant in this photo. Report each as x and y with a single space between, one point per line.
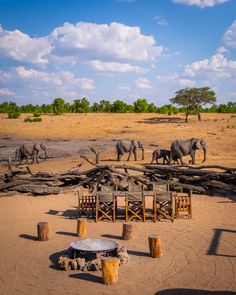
161 154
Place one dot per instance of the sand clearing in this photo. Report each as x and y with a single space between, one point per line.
199 253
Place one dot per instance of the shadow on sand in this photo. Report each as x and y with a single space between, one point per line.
28 237
69 214
160 120
213 249
192 292
87 277
112 237
65 233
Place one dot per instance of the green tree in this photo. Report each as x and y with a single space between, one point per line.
119 106
58 106
141 106
81 105
193 99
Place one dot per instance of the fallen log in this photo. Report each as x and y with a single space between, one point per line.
189 178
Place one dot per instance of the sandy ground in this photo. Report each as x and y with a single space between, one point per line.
199 253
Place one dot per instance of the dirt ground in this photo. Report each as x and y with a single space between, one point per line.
199 254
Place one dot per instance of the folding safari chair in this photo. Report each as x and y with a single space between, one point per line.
86 204
133 187
106 205
135 206
183 203
163 202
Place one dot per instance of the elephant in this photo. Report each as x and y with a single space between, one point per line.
27 152
165 154
128 146
181 147
161 154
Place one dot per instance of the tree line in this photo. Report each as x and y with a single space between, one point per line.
189 101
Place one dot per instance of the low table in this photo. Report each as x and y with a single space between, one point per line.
89 248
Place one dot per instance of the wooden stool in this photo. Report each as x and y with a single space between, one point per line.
183 203
155 247
127 231
110 267
82 227
43 231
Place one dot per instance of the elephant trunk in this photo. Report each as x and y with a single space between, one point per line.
142 153
205 152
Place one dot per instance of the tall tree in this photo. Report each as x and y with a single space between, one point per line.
58 106
193 99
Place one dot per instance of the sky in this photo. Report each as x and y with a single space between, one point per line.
116 49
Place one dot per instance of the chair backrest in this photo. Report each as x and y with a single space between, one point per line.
134 196
105 197
106 188
132 187
159 188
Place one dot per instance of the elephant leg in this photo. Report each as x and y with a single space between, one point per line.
135 154
37 156
192 155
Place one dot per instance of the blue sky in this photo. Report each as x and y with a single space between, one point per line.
116 49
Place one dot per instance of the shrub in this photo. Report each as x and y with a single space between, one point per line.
31 120
13 115
37 114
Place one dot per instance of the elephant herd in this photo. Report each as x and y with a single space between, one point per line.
178 149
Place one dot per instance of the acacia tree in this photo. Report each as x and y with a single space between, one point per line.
193 99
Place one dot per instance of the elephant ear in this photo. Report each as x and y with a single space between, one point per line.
140 145
198 144
203 143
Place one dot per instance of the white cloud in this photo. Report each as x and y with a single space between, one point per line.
73 43
186 82
21 47
143 83
100 66
216 67
116 41
6 92
53 79
39 83
230 36
201 3
176 80
161 21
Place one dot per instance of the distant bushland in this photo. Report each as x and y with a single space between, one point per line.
60 106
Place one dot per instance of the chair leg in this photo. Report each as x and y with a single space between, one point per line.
96 216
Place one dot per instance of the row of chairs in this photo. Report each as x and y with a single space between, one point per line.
103 204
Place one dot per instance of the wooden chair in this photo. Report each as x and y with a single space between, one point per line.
86 204
163 202
135 206
183 203
106 206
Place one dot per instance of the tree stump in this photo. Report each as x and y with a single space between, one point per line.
155 246
43 231
110 266
82 227
127 231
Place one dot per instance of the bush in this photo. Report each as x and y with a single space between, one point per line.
31 120
37 114
13 115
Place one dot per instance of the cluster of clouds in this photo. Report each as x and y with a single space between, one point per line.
101 48
201 3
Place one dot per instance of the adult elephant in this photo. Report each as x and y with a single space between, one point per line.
30 151
128 146
180 148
